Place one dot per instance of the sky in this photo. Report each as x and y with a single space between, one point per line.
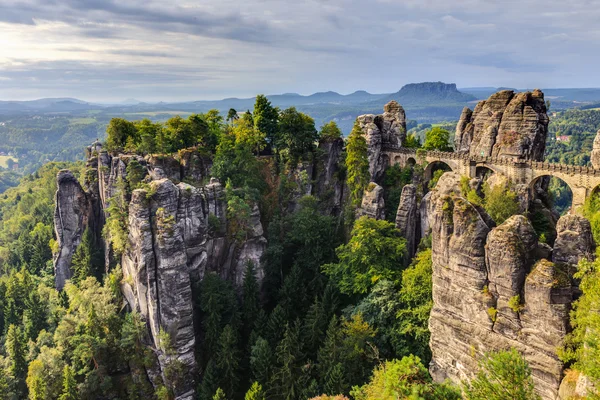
179 50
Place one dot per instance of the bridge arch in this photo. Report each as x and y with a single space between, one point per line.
435 166
559 191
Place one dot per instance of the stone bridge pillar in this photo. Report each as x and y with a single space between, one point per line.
579 196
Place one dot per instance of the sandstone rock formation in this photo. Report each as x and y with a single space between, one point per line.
71 217
506 125
595 156
373 204
177 233
381 131
492 288
407 219
574 240
328 186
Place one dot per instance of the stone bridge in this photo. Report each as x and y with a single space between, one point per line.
581 180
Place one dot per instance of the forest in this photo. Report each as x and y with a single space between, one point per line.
341 313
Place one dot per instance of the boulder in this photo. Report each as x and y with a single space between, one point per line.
574 240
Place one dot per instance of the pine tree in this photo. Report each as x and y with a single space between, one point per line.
276 324
228 360
314 327
16 351
255 392
10 313
210 382
357 164
86 261
335 382
69 391
34 317
219 395
287 382
250 298
330 353
261 361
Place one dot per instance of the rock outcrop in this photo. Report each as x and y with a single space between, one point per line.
373 204
507 125
177 232
381 131
71 217
595 156
407 219
496 288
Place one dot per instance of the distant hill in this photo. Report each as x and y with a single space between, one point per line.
430 93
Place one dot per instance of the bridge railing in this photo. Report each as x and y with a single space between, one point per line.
539 165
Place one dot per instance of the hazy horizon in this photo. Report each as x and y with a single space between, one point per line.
108 51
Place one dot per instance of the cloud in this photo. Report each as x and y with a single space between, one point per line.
218 48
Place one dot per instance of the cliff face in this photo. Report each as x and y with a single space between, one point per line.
176 235
506 125
381 131
177 232
493 289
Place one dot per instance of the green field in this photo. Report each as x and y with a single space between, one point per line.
82 121
156 113
4 160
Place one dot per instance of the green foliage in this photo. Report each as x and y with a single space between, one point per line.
265 118
296 134
492 313
228 361
582 345
235 161
500 202
16 351
115 230
437 139
394 179
375 252
255 392
417 301
218 305
288 379
330 132
437 174
219 395
87 260
261 361
69 391
502 376
357 164
515 303
175 134
412 142
403 379
591 210
580 126
135 173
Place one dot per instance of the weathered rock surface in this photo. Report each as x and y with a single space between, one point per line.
407 219
464 131
491 291
177 233
381 131
373 204
574 240
595 156
71 217
329 187
506 125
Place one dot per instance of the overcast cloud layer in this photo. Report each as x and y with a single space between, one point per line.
109 50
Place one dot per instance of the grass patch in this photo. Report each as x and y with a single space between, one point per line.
4 161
